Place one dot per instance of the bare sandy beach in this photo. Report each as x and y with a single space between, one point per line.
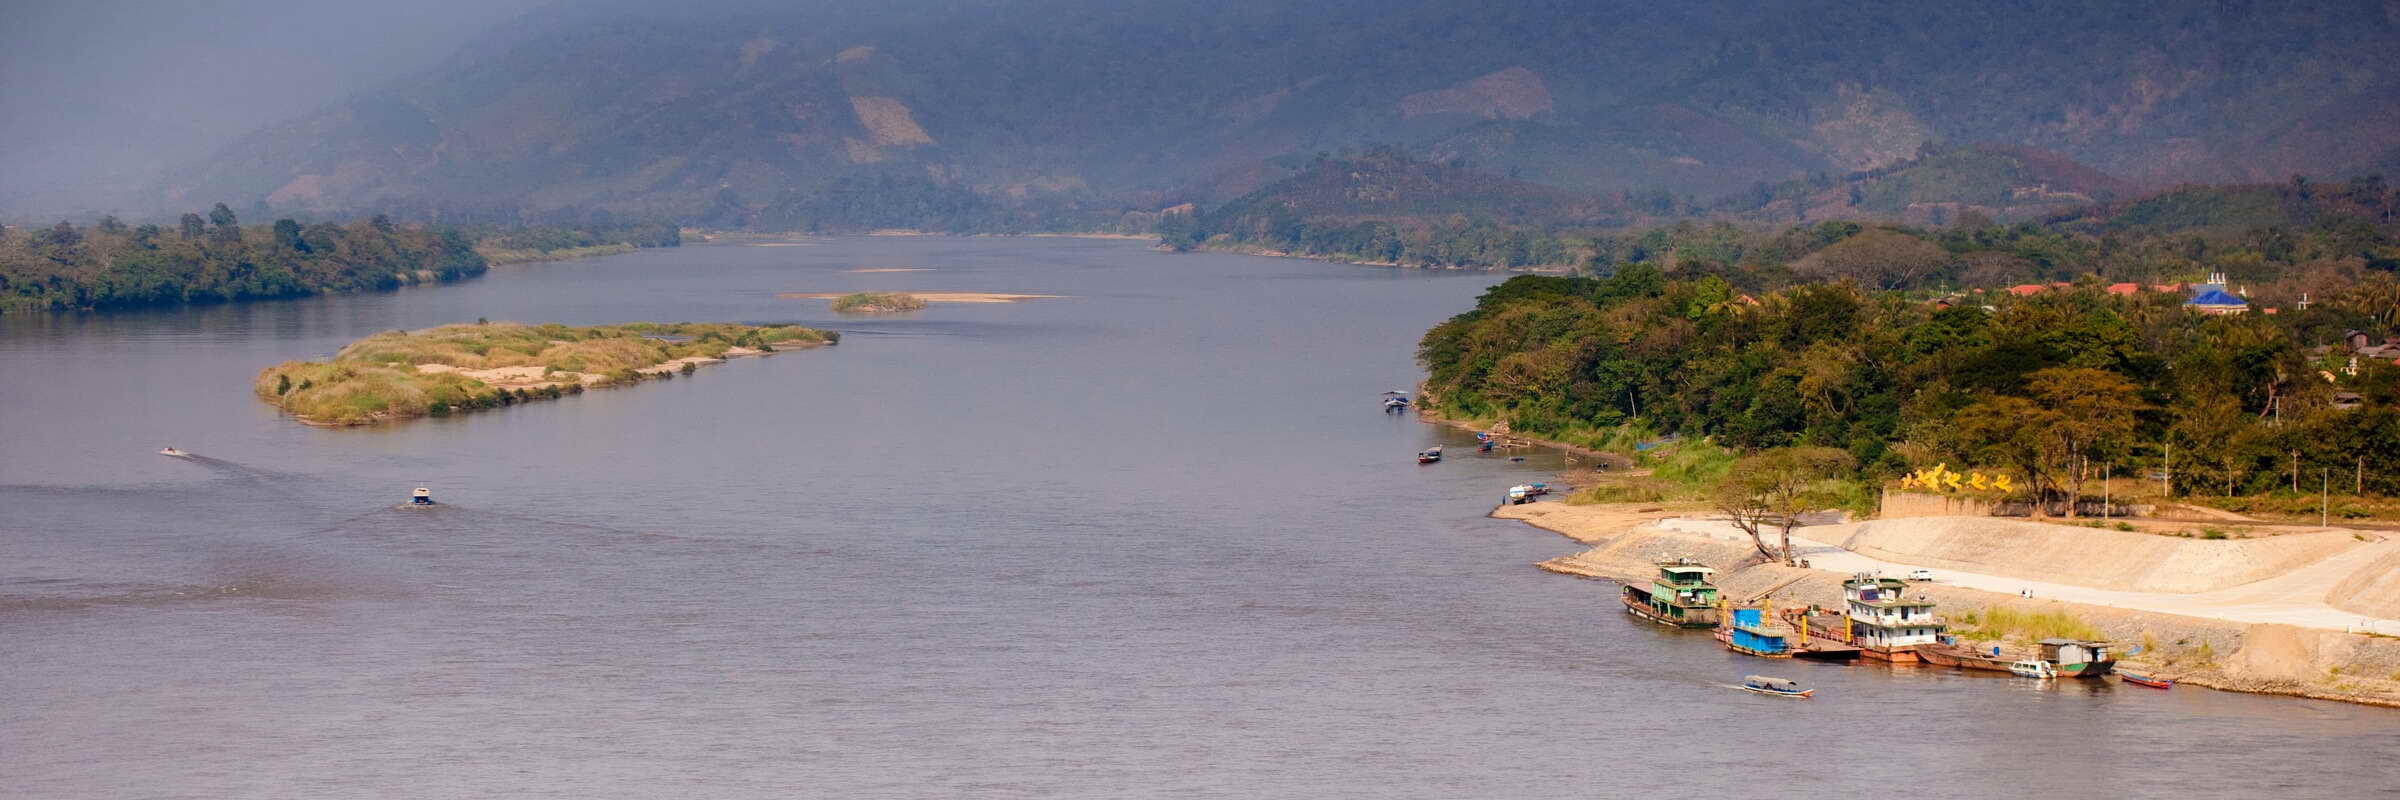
534 377
935 297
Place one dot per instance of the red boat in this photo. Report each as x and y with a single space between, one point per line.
2145 680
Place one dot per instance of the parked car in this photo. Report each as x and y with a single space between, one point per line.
1920 575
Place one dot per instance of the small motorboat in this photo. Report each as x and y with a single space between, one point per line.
1520 494
1394 402
2145 680
1779 687
173 453
2039 670
421 497
1430 455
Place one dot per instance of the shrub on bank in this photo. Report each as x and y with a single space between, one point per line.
2000 622
869 302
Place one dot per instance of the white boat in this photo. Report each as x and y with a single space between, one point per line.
173 453
421 497
1780 687
2032 669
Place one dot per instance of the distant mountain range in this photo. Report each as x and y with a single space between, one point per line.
743 111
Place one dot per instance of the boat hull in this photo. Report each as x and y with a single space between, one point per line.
1945 656
2142 680
1639 606
1725 637
1772 693
2089 669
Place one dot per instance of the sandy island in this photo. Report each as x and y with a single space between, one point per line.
934 297
462 368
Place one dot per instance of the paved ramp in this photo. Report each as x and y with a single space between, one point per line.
2294 598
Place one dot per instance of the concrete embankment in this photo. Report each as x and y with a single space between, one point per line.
2267 658
2374 590
2101 559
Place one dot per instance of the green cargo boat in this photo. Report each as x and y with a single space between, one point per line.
1680 596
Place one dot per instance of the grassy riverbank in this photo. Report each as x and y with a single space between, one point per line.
458 368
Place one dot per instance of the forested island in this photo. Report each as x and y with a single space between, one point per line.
215 258
2055 386
459 368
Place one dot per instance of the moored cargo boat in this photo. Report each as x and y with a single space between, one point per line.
1755 631
1950 655
1882 622
1681 596
2078 658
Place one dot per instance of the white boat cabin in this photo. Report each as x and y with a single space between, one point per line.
1882 614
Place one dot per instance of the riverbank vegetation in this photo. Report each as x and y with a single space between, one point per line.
1999 622
874 302
2054 387
215 258
457 368
558 243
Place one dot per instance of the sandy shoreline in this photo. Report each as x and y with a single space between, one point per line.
1624 541
1435 417
933 297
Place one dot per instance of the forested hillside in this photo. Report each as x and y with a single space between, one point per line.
2048 386
1021 114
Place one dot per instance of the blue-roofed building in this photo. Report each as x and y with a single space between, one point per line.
2211 298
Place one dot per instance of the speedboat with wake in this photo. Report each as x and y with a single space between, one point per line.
1779 687
171 452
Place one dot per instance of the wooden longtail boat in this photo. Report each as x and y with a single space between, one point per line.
2145 680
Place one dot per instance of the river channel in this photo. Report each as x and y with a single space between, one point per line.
1153 538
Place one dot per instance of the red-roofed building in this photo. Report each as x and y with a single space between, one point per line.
2027 289
2124 288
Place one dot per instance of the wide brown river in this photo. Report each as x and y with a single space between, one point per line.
1154 539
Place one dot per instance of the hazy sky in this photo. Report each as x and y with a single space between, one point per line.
95 95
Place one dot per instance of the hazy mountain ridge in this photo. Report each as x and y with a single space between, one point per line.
1082 104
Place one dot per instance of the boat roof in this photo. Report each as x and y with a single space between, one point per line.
2084 642
1768 680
